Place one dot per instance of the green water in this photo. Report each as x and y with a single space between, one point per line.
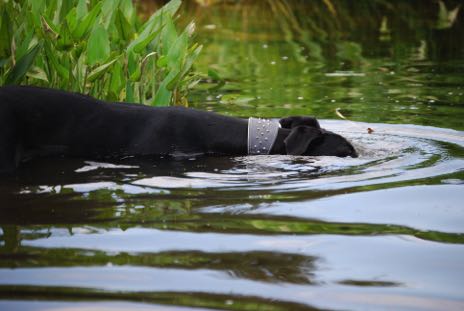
271 67
383 231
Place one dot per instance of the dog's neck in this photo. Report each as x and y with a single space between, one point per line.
262 134
279 145
265 133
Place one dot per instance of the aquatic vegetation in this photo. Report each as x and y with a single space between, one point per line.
100 48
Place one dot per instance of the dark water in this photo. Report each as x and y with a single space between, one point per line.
383 231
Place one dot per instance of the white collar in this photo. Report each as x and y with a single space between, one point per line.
262 134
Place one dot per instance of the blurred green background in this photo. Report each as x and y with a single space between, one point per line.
378 61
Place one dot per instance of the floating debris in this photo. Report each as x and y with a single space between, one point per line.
91 166
338 113
345 74
210 26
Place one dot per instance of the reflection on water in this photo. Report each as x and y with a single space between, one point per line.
245 230
377 61
384 230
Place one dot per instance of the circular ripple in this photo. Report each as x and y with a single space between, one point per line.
390 154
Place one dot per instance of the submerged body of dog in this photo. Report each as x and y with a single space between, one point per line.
40 122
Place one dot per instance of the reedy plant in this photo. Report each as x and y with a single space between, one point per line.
97 47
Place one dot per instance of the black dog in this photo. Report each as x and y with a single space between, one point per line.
41 122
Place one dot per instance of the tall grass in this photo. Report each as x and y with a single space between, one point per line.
97 47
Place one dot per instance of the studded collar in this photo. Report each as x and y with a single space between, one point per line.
262 134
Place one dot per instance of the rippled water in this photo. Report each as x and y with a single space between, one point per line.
382 231
277 231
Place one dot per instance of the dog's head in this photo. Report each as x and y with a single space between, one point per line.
307 138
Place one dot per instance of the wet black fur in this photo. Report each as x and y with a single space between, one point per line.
47 122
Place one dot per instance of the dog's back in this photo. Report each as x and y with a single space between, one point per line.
8 134
40 121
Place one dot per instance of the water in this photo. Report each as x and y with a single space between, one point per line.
382 231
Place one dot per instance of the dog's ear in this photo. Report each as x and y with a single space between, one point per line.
291 122
299 139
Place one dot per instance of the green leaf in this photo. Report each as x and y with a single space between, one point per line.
192 84
117 79
65 41
51 54
133 68
154 26
169 35
6 32
24 45
66 7
98 46
49 28
171 83
124 28
37 73
71 19
141 42
3 62
213 74
446 18
37 6
52 8
101 70
162 97
130 92
171 7
81 9
135 76
191 57
168 10
37 9
22 66
107 16
86 23
164 94
178 51
127 7
109 7
162 61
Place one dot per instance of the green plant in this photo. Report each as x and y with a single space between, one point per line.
97 47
